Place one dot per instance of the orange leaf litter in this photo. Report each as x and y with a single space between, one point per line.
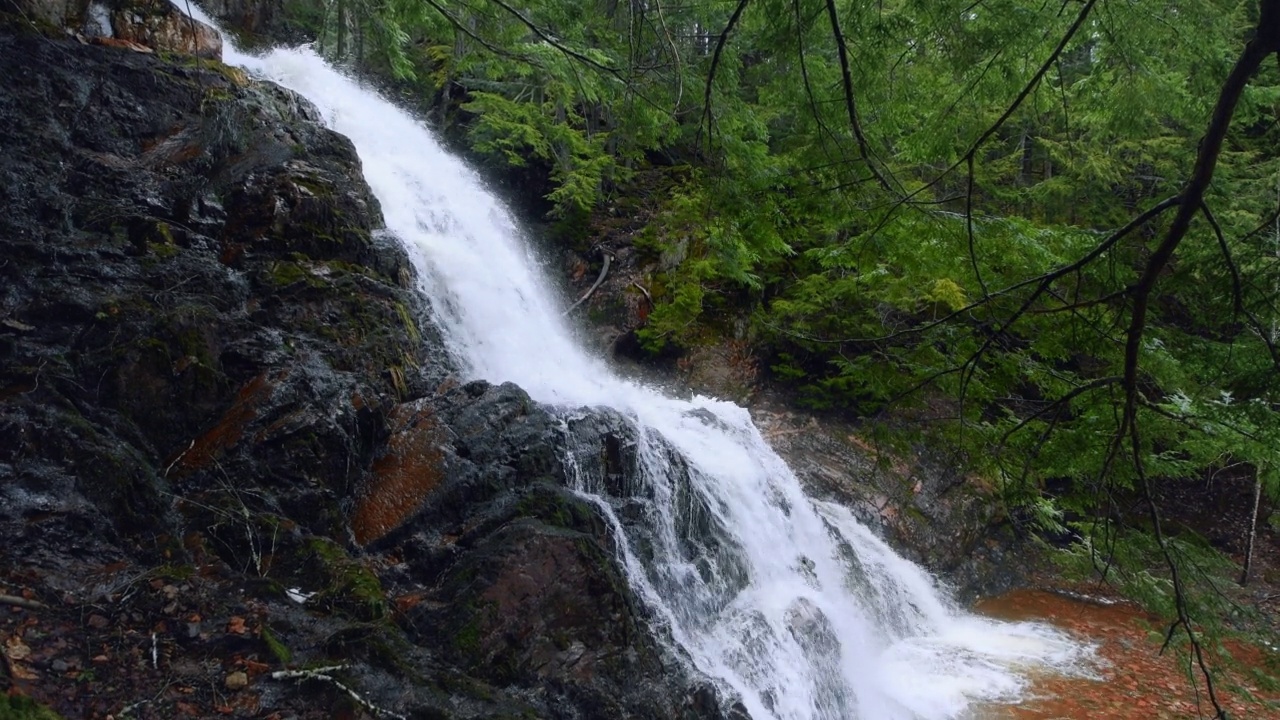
1138 683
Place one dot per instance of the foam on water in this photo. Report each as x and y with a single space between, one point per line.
790 604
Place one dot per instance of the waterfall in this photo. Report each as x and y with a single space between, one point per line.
788 603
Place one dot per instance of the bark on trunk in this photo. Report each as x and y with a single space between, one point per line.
1253 526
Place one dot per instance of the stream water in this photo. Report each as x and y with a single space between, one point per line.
788 603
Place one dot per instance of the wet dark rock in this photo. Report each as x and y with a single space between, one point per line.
230 444
160 340
53 13
258 22
514 575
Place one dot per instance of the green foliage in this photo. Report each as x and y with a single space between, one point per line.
1134 563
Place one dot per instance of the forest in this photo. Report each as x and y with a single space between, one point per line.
1042 234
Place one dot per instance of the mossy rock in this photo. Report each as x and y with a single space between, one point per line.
285 274
350 588
281 652
559 508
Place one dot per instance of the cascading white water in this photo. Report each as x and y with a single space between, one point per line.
789 603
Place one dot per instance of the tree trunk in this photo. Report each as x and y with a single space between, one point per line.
1253 525
341 26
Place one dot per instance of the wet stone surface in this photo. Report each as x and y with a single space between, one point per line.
232 449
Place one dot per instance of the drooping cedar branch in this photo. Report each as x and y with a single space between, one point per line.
1041 282
846 78
804 75
1031 85
715 63
462 28
1058 404
548 39
1027 89
1265 42
1237 291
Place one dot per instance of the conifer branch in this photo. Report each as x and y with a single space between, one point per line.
462 28
864 148
711 73
991 130
543 35
548 39
1043 281
1059 403
1032 83
1237 289
804 76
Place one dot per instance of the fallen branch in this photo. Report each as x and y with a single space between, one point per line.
127 710
20 602
322 673
603 272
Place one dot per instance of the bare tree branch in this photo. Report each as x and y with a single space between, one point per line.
1179 589
864 148
1237 290
1265 42
715 63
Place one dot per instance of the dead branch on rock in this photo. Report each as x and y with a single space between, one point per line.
21 602
322 674
603 272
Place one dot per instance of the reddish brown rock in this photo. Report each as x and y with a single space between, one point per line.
159 25
409 468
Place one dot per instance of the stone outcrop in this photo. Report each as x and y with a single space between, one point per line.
141 25
231 446
256 20
54 13
159 25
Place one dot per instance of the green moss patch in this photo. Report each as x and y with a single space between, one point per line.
18 707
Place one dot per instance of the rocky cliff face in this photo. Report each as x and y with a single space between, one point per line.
232 450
